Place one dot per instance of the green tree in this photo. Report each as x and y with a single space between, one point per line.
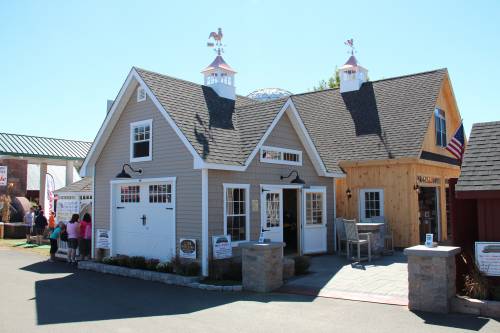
332 82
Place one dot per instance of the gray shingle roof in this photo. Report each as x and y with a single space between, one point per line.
384 119
481 163
210 122
83 185
35 146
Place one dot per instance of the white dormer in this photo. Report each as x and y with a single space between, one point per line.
352 75
220 77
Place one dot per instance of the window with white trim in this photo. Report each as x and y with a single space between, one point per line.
130 193
440 121
314 208
141 94
236 211
160 193
141 141
280 156
371 203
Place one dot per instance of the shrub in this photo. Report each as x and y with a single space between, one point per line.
165 267
123 260
302 264
476 285
138 262
190 268
151 264
109 261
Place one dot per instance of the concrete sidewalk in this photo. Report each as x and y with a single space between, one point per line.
383 280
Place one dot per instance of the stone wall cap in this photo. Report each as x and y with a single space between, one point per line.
261 246
439 251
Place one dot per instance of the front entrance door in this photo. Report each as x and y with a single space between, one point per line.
272 214
428 202
314 220
143 219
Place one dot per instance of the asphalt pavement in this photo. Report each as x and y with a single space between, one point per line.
38 296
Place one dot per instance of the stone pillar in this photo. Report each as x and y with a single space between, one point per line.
262 266
431 277
69 173
43 183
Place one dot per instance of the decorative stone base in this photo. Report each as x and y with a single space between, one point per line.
463 304
173 279
431 278
262 266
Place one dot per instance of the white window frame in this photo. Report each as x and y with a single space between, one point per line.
137 124
362 201
440 114
315 190
246 187
141 94
281 151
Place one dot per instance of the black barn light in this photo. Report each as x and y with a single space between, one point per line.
124 174
296 180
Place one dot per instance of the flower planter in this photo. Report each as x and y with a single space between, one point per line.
167 278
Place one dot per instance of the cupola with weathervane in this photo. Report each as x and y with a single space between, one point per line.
352 74
219 75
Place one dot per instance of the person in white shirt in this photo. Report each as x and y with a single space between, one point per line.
28 219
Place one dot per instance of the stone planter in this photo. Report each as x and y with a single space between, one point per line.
167 278
463 304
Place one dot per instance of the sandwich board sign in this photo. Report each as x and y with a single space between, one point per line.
488 257
222 247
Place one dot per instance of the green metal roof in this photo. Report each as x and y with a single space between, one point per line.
36 146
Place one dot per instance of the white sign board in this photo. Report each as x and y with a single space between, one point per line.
66 208
3 175
103 239
222 248
488 257
429 239
187 248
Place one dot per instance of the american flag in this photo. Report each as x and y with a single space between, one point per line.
456 146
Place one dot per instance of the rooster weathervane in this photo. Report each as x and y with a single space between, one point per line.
217 41
350 45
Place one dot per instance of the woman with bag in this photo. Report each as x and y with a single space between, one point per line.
73 230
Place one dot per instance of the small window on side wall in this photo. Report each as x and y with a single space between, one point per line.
440 121
141 139
371 203
141 94
236 211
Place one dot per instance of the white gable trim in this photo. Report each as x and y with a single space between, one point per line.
113 116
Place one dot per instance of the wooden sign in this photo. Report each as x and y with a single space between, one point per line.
428 180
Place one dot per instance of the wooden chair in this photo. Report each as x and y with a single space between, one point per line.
340 232
354 237
388 234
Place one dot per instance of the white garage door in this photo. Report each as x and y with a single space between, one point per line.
144 219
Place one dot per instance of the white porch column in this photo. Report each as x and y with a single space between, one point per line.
69 173
204 222
43 182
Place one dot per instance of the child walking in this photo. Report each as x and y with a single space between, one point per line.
53 241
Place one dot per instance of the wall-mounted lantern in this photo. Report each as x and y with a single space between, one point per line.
124 174
348 193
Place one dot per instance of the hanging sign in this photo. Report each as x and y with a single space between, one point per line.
187 248
103 239
428 180
222 248
3 175
488 258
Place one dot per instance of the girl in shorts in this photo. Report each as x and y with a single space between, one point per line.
73 230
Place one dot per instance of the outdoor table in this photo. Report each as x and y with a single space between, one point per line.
377 235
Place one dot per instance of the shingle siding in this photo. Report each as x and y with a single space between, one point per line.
170 159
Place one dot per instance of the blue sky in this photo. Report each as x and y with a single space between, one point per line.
61 60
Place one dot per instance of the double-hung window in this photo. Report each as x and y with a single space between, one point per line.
141 141
371 203
236 211
440 120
